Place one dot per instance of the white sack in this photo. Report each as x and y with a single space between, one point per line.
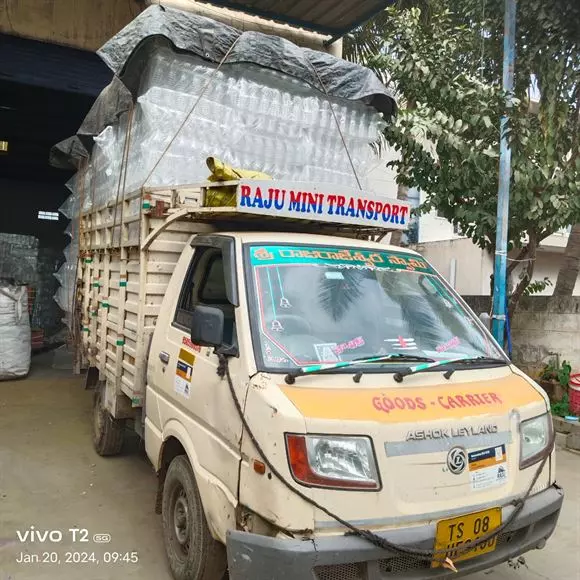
14 332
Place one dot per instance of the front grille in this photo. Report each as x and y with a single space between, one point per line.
351 571
402 564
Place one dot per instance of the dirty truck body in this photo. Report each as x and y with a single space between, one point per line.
327 405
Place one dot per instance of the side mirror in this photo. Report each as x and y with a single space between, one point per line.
486 319
207 326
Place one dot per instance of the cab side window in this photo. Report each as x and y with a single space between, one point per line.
213 286
205 284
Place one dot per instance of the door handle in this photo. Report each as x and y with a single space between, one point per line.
164 356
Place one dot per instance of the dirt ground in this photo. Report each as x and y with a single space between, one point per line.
51 479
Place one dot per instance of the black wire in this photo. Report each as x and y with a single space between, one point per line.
429 555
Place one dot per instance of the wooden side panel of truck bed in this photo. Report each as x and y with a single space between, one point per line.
121 284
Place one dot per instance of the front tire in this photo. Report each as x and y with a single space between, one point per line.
192 552
107 431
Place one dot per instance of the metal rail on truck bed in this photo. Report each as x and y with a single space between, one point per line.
127 253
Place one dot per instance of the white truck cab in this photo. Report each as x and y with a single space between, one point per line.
321 406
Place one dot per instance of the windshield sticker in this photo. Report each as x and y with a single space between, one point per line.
488 467
284 302
339 258
449 344
401 343
271 357
276 326
326 352
334 275
350 345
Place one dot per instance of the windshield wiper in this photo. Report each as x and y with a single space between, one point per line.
476 360
290 378
464 360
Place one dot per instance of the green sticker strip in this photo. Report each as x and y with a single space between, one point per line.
339 257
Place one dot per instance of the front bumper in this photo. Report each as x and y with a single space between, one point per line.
255 557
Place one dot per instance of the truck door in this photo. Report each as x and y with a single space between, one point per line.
185 375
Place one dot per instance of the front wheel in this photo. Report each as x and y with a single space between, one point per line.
107 431
192 552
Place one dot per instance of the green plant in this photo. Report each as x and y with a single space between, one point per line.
537 286
561 409
563 374
549 372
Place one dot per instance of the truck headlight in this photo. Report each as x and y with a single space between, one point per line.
333 461
536 439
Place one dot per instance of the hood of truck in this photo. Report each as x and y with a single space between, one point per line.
414 426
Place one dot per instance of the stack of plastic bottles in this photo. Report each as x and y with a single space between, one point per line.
249 117
66 274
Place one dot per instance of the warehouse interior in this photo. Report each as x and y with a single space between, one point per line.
45 92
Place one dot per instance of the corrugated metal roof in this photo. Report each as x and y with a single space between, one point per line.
334 18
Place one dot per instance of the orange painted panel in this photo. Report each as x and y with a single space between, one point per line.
406 405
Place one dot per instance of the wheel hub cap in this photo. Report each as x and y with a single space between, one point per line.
181 521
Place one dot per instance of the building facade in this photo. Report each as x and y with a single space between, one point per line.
469 268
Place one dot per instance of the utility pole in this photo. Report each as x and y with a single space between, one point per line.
503 196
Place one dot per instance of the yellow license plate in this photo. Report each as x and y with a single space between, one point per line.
455 532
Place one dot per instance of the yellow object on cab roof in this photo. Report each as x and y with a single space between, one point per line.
226 196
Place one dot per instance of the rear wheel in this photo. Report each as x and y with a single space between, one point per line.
107 431
192 552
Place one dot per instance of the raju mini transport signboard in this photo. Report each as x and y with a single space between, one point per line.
319 202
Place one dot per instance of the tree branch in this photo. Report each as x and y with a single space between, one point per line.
515 261
526 278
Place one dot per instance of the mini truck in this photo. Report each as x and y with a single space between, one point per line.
316 404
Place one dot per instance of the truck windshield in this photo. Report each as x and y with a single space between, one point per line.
313 305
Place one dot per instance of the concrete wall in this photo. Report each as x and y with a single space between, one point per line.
84 24
473 266
380 178
461 262
542 327
548 264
